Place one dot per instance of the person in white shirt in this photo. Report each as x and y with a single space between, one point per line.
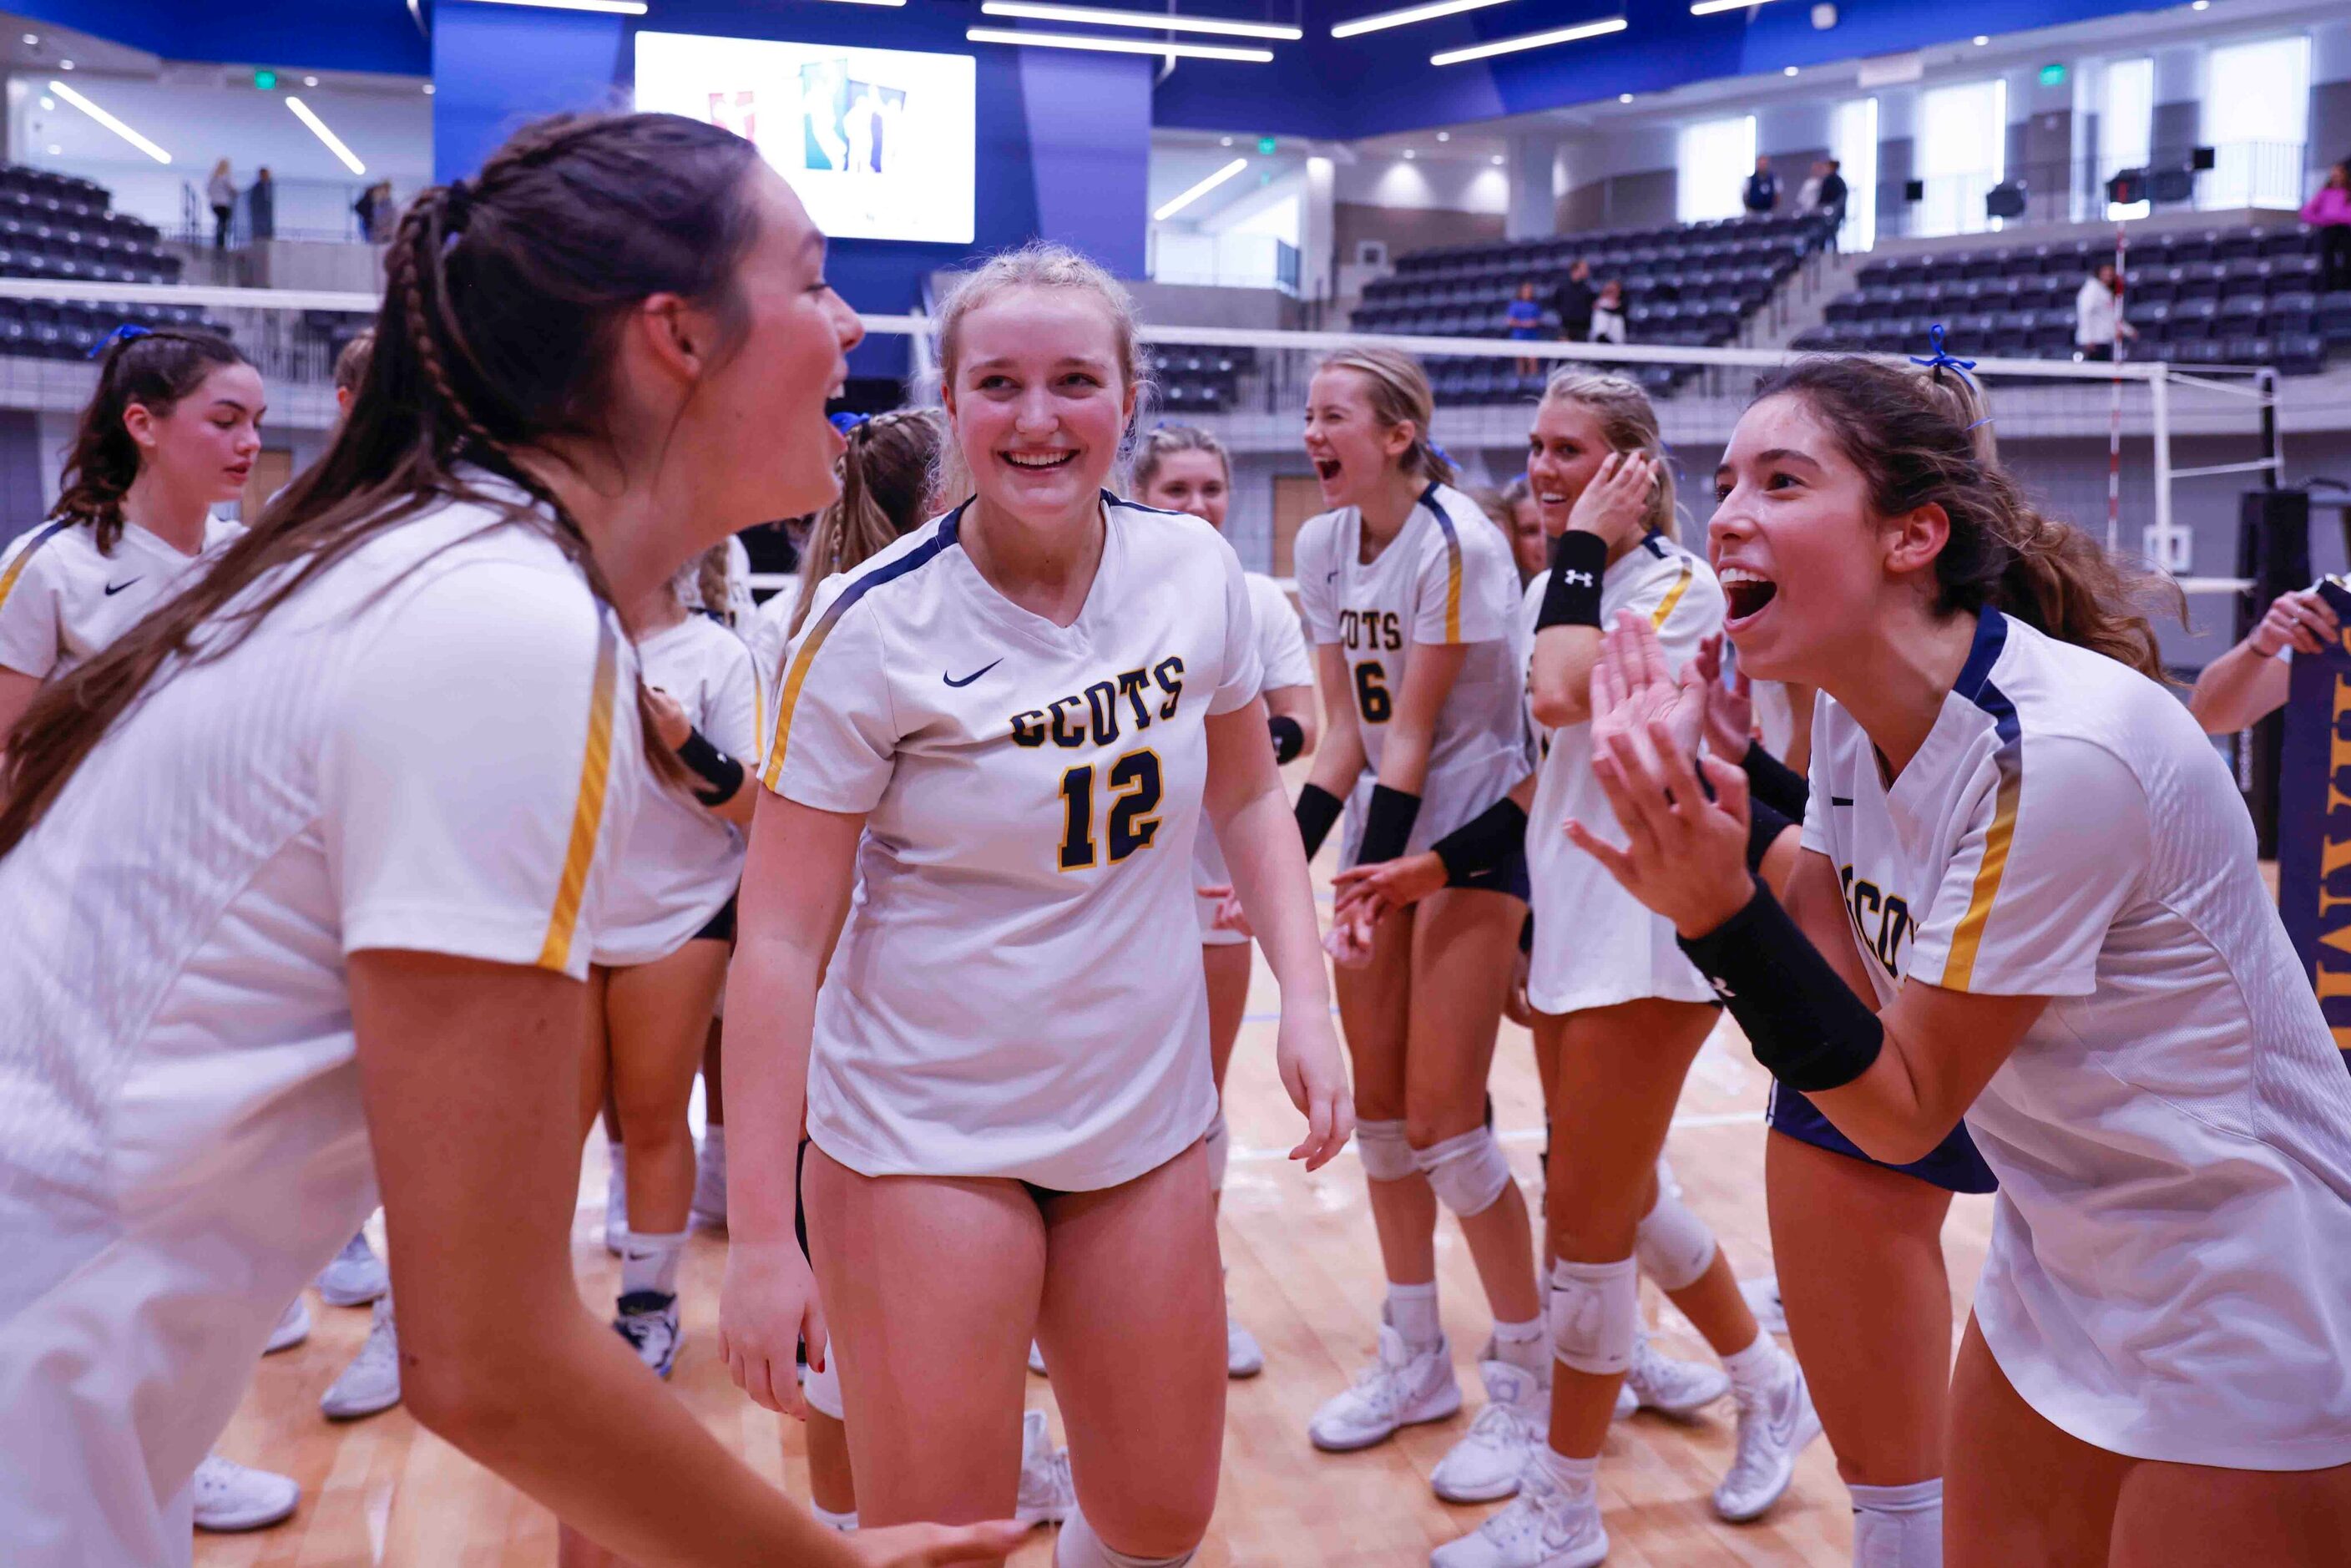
1183 468
1000 735
2027 895
1619 1017
2099 330
294 900
1408 592
1608 314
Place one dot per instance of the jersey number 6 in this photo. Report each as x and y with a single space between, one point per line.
1371 697
1134 795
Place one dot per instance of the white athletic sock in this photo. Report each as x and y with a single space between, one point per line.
844 1522
1576 1477
1756 1368
713 1139
1079 1547
1899 1527
1523 1346
648 1262
1412 1312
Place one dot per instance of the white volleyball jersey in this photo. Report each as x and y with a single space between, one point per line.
1775 715
2169 1275
1282 651
60 601
427 747
1016 991
1596 945
682 861
1447 578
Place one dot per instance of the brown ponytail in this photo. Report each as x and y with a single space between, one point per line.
1910 444
152 371
503 299
886 491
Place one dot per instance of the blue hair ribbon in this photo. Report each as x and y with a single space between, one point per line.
1441 454
1942 358
845 423
122 334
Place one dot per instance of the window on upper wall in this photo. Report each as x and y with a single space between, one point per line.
1717 156
1962 154
2256 119
2125 126
1852 142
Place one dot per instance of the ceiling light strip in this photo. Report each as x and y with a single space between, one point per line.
103 118
1199 190
302 112
609 7
1407 16
1165 22
1708 8
1026 39
1530 41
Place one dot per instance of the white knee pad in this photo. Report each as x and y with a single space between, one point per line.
1596 1314
1385 1152
1466 1173
1673 1244
822 1389
1219 1145
1079 1547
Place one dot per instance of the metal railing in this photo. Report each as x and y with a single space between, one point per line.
2074 190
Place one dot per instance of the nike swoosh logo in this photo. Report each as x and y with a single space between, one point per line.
114 587
1840 800
969 678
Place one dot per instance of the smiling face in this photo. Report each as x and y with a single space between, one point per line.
1039 399
204 445
1564 450
1352 448
1192 482
1805 560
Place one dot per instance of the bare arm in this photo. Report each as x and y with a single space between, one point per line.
1341 759
470 1074
1942 1047
16 691
1295 704
1559 675
1412 732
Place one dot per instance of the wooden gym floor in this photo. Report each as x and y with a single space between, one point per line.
1303 1275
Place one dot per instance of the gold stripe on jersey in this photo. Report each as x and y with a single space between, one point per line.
1452 565
1958 970
1673 596
588 812
16 568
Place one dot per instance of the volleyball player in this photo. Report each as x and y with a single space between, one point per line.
1407 590
293 900
2027 894
1183 468
2248 683
1001 732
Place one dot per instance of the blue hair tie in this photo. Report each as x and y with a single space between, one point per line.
122 334
1441 454
845 423
1941 359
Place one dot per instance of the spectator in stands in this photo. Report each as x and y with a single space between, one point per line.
1762 191
1808 194
1530 546
220 190
2329 212
1525 315
2098 321
261 206
2248 682
1608 314
373 209
1572 303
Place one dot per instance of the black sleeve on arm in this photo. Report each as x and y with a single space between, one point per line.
714 766
1571 592
1486 842
1771 780
1288 738
1387 825
1317 811
1764 826
1803 1022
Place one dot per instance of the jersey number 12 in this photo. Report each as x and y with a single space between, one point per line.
1135 796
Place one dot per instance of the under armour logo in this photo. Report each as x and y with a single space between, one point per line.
1582 579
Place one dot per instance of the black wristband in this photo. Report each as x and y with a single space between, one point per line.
1318 812
1771 781
1289 738
1486 842
1764 826
1571 592
1387 825
722 773
1802 1021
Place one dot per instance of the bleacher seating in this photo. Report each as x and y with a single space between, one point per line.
54 226
1687 285
2238 296
1195 381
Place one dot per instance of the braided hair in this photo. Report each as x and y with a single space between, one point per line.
152 371
503 300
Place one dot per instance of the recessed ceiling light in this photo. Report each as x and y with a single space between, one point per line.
428 90
1445 136
33 41
1788 71
49 102
1981 39
1499 159
64 65
1224 142
1409 154
55 150
2202 6
309 81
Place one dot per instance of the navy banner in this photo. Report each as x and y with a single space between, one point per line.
2315 817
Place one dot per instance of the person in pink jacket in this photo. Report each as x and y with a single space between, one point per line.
2329 212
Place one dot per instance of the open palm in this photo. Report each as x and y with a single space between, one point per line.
1635 692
